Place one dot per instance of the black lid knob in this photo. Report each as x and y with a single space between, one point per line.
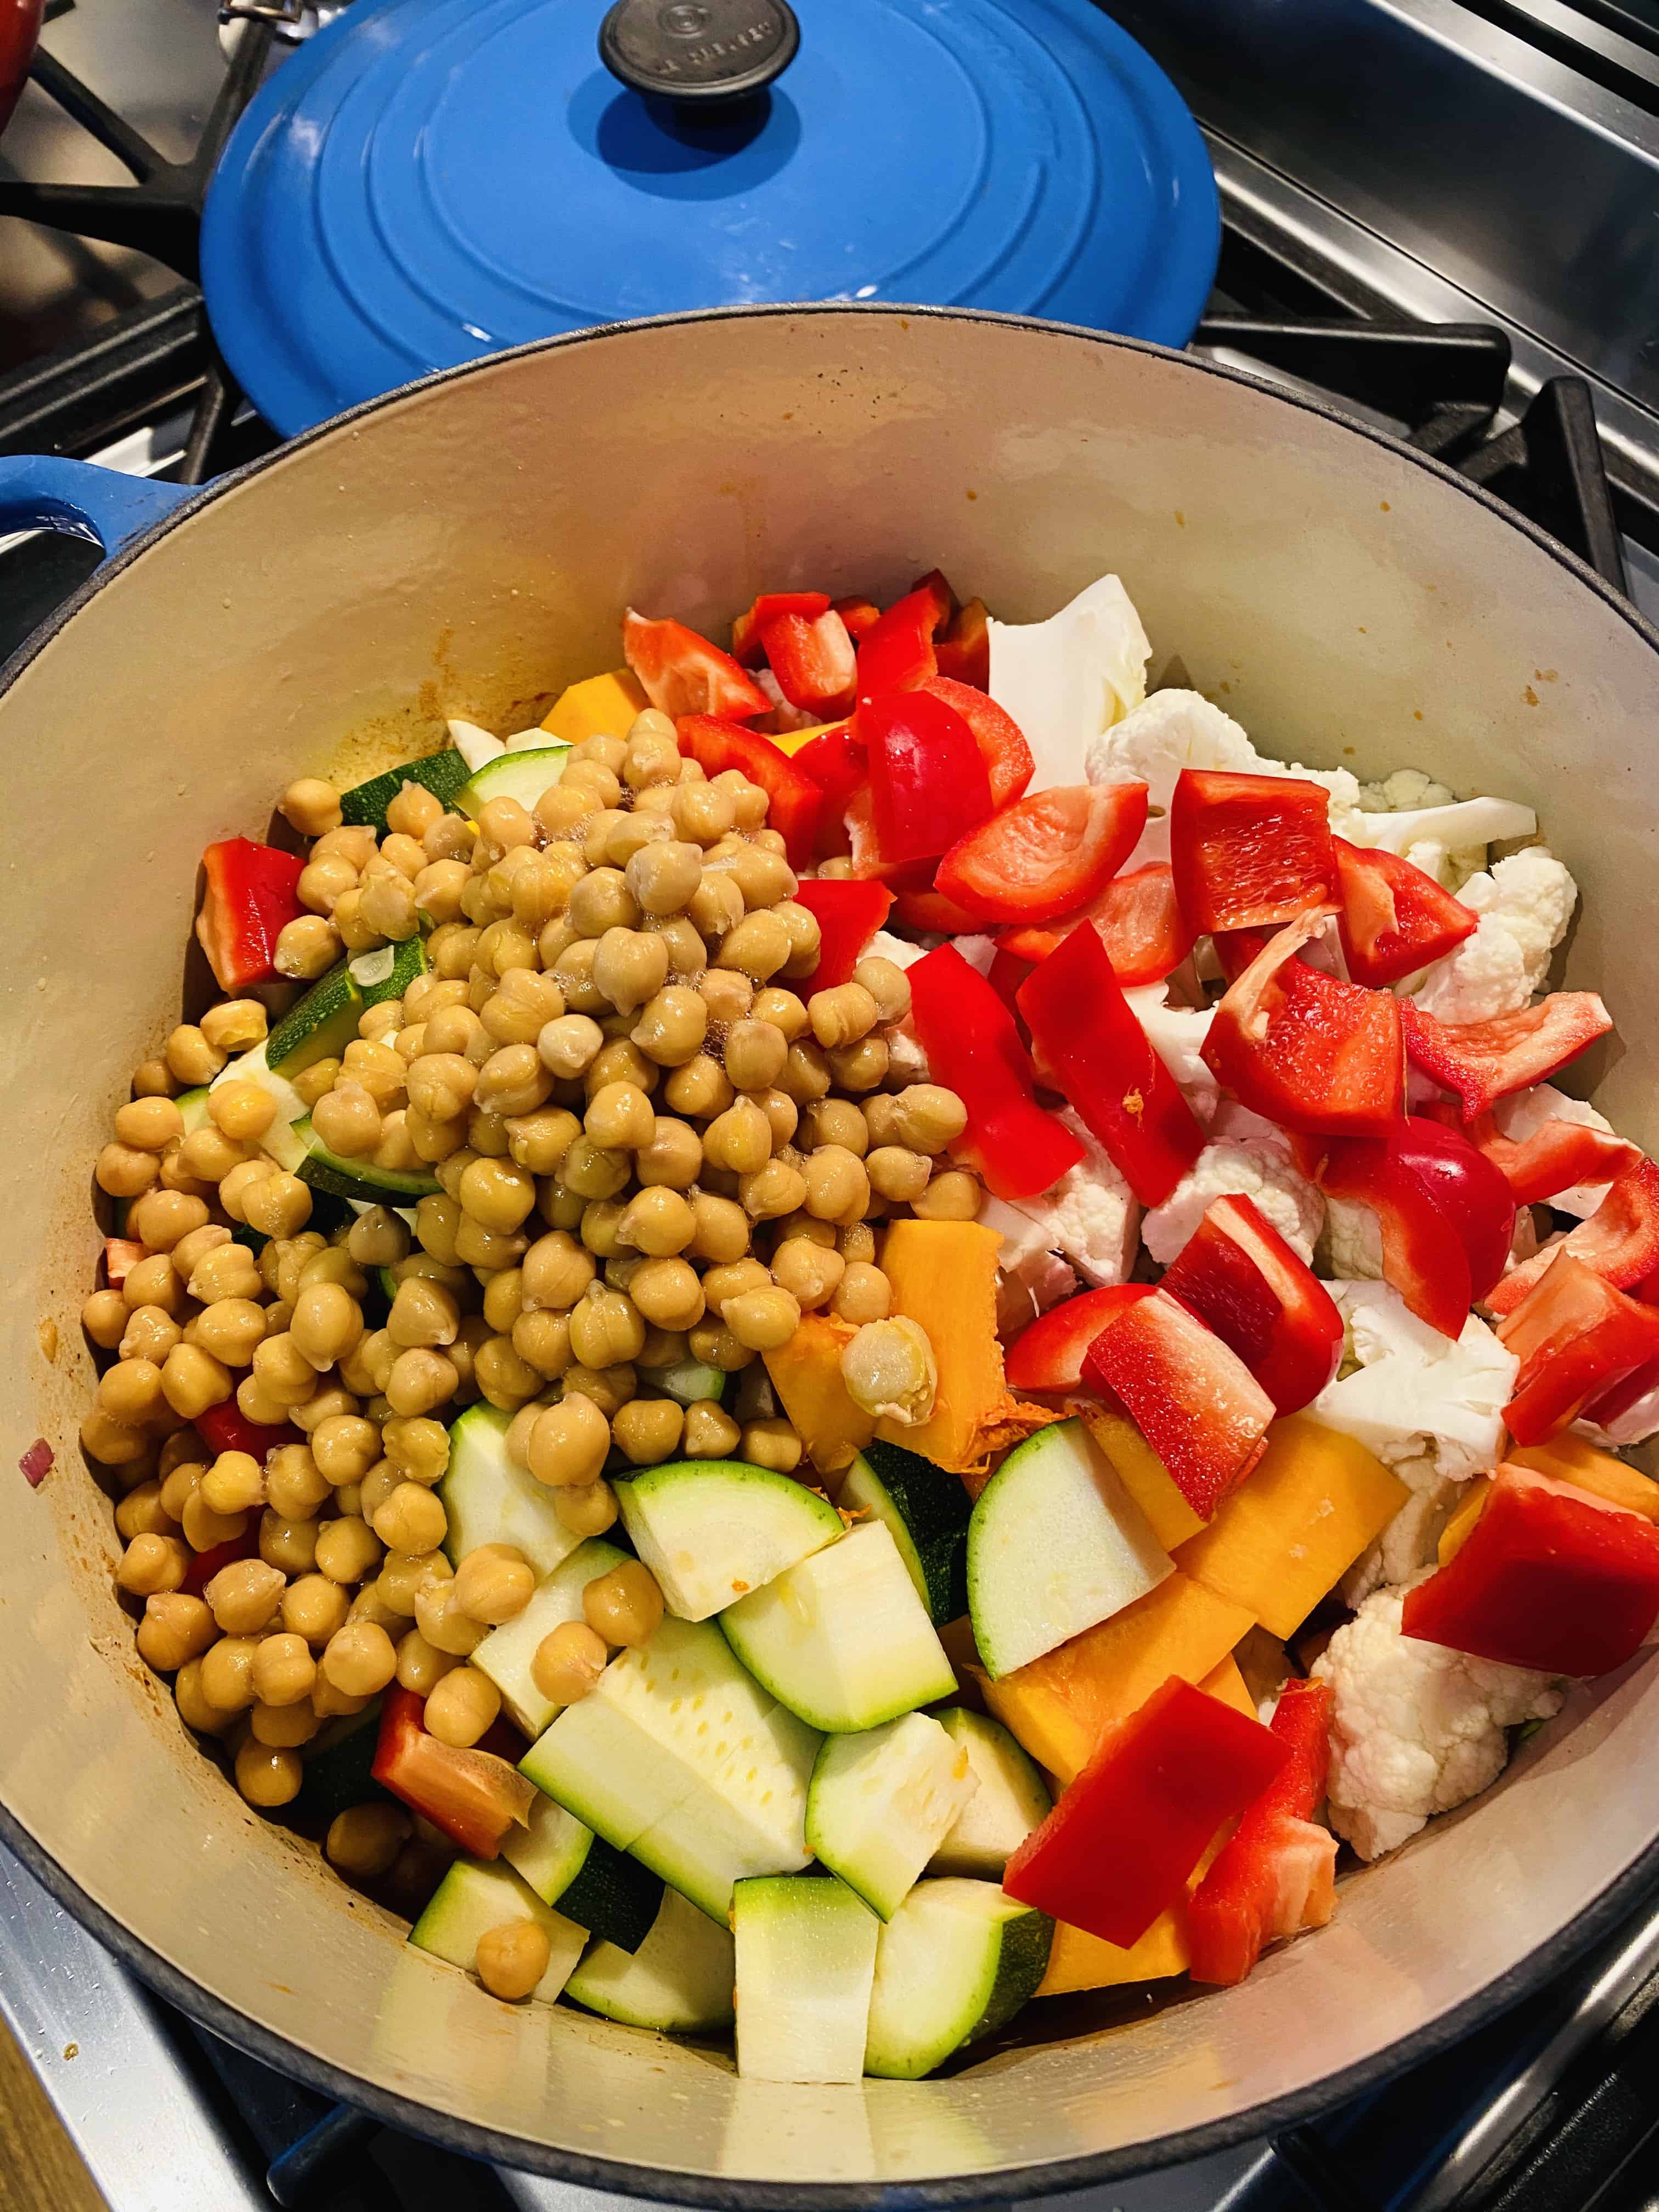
699 51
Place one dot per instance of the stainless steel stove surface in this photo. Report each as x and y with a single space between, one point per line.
1439 216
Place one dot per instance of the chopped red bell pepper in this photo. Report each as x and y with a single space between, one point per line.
252 896
1191 1396
748 648
121 1254
1395 917
1276 1873
936 585
1485 1061
964 648
928 784
1619 1242
973 1049
1308 1051
1469 1189
1005 975
1236 949
203 1565
835 762
683 673
1086 1037
1001 740
1556 1156
848 913
1243 1281
896 653
933 914
474 1797
1549 1577
813 661
1048 1355
795 800
1120 1846
1575 1336
1045 853
1423 1255
1140 922
226 1428
1249 849
861 615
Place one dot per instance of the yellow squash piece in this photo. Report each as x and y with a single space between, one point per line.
806 1374
1576 1460
791 741
943 1275
1296 1524
598 707
1061 1705
1457 1530
1143 1474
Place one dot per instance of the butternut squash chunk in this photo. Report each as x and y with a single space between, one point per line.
943 1275
598 707
1575 1459
1296 1524
1143 1474
806 1374
1457 1530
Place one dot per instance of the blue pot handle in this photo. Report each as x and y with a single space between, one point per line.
103 506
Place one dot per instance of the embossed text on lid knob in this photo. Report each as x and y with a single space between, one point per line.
699 49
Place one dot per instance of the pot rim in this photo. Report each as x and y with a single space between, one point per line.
943 2194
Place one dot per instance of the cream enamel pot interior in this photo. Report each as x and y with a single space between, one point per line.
466 548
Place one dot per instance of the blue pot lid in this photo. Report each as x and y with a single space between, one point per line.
427 180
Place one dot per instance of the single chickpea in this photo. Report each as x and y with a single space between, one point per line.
774 1190
226 1676
591 1511
511 1958
569 1442
244 1595
405 1575
620 1117
125 1172
722 1229
837 1185
192 1380
897 1174
150 1334
175 1628
141 1513
234 1483
235 1026
864 1294
417 1448
503 1375
278 1206
316 1081
153 1079
809 1272
420 1381
494 1583
342 1449
326 1324
785 1010
889 1369
149 1125
713 1345
512 1081
503 823
954 1195
268 1774
151 1564
194 1710
757 947
282 1370
728 996
284 1671
282 1727
161 1218
442 1623
673 1159
311 806
313 1608
364 1840
606 1328
462 1706
412 1519
290 1545
556 1270
542 1341
739 1139
190 1058
761 1320
770 1443
104 1317
667 1294
672 1024
420 1664
624 1605
358 1659
648 1430
710 1433
568 1663
347 1549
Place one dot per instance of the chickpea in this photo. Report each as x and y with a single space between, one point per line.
648 1430
503 1375
897 1174
842 1015
150 1334
141 1513
952 1196
756 1053
709 1433
599 1225
235 1483
412 1519
342 1449
569 1442
192 1380
606 1328
589 1511
194 1710
673 1159
226 1676
347 1549
503 823
511 1958
234 1025
699 1087
672 1024
152 1564
857 1246
715 1345
785 1010
926 1117
721 1229
620 1117
190 1058
364 1840
288 1545
757 947
462 1706
862 1066
358 1659
420 1381
771 1444
889 1369
278 1205
420 1664
556 1272
153 1079
837 1185
149 1125
244 1595
316 1081
314 1607
663 876
175 1628
727 995
311 805
624 1605
776 1189
658 1222
702 814
739 1139
808 1271
161 1218
761 1320
716 906
442 1622
782 1116
268 1774
104 1317
125 1172
494 1583
417 1448
542 1340
326 1324
284 1671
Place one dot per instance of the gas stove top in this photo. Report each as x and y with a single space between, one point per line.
1389 245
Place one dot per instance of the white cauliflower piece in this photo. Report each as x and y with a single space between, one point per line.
1091 1215
1172 731
1352 1246
1237 1122
978 952
1412 1540
1066 680
1247 1168
1416 1392
1403 792
1416 1729
1524 904
1176 1034
1524 1113
1031 1276
1633 1426
1457 827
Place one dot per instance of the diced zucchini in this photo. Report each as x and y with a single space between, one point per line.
927 1511
337 1773
805 1961
489 1500
954 1962
359 1179
505 1653
881 1803
685 1382
521 775
1011 1799
603 1890
319 1026
1056 1544
387 972
193 1107
442 774
711 1530
473 1897
678 1982
842 1639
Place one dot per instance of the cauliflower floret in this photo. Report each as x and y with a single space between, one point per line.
1417 1729
1176 1034
1352 1246
1030 1277
1524 904
1066 680
1524 1113
1172 731
1091 1215
978 952
1247 1168
1457 827
1412 1540
1403 792
1415 1393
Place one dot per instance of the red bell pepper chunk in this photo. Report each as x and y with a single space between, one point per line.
203 1565
1249 849
860 616
937 587
1395 917
1557 1156
1575 1336
1005 975
1308 1051
1191 1396
1619 1242
933 914
1549 1577
1137 919
795 800
1276 1873
1469 1189
1119 1847
1084 1035
964 646
1485 1061
848 915
252 896
928 784
121 1253
1243 1281
1001 740
476 1798
813 661
226 1428
835 762
896 653
747 646
683 673
1048 1355
1423 1255
973 1049
1046 853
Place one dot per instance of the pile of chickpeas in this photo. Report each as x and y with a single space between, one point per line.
650 1149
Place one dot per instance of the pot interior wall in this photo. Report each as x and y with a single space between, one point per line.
467 550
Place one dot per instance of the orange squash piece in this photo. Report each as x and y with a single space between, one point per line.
598 707
943 1275
1142 1473
1296 1524
1575 1459
806 1374
1059 1706
1456 1532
